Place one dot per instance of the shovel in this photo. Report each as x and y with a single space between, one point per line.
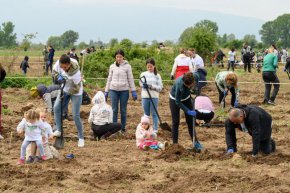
59 141
194 139
163 125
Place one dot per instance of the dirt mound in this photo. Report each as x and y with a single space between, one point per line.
173 153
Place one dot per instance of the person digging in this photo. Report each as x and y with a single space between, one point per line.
253 120
180 98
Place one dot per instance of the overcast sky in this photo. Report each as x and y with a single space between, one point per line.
139 20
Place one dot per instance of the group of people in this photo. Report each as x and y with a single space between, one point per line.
188 69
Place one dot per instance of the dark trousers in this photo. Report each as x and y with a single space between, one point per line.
270 77
231 64
221 95
175 114
48 67
247 63
207 117
105 130
267 146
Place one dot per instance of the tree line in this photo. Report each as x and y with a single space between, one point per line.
203 36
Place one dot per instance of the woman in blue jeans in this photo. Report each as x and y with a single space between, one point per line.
70 71
120 80
154 86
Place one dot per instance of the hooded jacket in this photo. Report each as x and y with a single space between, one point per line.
101 113
258 123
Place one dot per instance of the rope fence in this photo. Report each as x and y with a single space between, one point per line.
208 81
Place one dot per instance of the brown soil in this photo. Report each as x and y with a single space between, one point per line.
117 165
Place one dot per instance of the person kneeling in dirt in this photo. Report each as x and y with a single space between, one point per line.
146 138
48 94
101 118
180 98
32 152
204 110
253 120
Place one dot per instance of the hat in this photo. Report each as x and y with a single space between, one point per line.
33 92
145 119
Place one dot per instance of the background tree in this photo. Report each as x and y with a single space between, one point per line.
208 24
7 37
82 45
55 41
26 42
113 42
277 30
200 38
69 38
251 40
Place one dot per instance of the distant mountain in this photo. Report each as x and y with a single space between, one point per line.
138 23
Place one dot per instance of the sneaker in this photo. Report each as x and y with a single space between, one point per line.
1 137
265 102
29 160
57 133
81 143
36 159
161 146
271 102
43 158
21 162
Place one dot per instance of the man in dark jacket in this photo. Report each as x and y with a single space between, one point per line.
254 120
246 57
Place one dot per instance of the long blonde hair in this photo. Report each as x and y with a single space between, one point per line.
32 115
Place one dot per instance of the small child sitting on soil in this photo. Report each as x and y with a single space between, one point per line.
146 138
32 153
34 132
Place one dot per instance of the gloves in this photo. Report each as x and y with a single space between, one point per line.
106 95
172 77
60 79
225 93
236 103
191 113
134 95
230 150
145 86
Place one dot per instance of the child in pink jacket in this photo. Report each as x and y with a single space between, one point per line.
146 138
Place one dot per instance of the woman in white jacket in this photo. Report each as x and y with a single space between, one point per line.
101 118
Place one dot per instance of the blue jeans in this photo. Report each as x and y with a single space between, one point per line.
26 143
148 107
76 106
123 97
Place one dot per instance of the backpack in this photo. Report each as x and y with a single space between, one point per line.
86 98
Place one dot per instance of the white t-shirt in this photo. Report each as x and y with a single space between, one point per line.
33 132
232 56
197 62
